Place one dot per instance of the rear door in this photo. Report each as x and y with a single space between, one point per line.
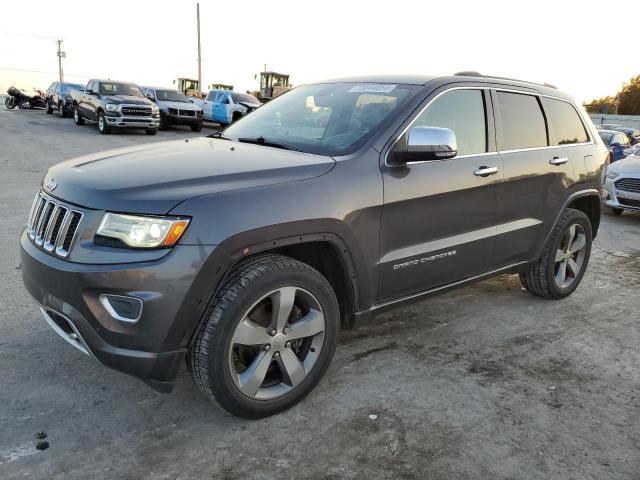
83 104
537 175
439 217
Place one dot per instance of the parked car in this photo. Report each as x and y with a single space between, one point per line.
58 97
633 134
246 251
113 105
617 143
175 108
622 184
225 107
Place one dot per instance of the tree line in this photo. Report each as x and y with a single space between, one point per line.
625 102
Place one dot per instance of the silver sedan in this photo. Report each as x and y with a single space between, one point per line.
622 184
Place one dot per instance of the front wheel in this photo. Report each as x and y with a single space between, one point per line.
151 131
49 108
77 118
564 258
102 124
196 127
267 338
61 110
10 102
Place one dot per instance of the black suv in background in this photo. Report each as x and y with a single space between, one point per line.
58 97
114 105
245 252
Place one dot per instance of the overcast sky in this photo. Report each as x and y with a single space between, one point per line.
568 43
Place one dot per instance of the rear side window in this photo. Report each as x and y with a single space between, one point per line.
463 112
523 124
565 126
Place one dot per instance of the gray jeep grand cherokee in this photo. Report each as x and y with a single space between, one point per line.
246 251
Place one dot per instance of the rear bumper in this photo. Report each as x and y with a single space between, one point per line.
174 289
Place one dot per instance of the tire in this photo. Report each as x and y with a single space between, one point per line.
151 131
561 254
236 116
164 123
213 358
61 110
196 127
48 108
103 128
77 118
616 211
9 102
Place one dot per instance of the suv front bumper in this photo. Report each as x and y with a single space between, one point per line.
175 290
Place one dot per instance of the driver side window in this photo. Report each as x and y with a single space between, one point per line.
462 111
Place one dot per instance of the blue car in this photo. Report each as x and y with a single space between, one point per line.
617 142
225 106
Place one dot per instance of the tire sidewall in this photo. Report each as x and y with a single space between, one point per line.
576 217
102 120
220 379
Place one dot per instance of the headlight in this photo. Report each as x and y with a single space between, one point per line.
155 109
113 107
611 175
143 232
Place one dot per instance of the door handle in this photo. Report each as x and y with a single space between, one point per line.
485 171
558 161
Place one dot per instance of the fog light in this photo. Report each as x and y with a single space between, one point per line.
124 309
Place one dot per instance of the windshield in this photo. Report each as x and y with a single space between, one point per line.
606 137
112 88
325 119
244 97
67 87
171 96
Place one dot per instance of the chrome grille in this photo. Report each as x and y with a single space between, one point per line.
52 225
628 185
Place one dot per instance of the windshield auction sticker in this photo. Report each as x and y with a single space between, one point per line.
372 88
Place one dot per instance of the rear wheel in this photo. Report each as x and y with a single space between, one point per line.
267 338
564 258
196 127
9 102
102 124
77 118
61 110
49 108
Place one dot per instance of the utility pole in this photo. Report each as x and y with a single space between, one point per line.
61 55
199 53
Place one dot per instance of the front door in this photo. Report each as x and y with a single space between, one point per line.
439 218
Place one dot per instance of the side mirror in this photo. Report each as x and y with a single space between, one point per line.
150 96
421 144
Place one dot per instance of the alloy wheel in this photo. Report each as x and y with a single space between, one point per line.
276 343
570 256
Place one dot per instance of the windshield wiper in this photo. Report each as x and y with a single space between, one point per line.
268 143
219 134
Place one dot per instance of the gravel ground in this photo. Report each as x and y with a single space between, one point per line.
485 382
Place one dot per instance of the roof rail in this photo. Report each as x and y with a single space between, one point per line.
478 74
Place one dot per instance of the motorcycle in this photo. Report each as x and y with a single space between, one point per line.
18 98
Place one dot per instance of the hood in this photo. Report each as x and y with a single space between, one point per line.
130 99
179 105
153 178
250 106
630 164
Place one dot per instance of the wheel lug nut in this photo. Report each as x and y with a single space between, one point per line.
267 347
277 354
287 344
272 332
285 330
